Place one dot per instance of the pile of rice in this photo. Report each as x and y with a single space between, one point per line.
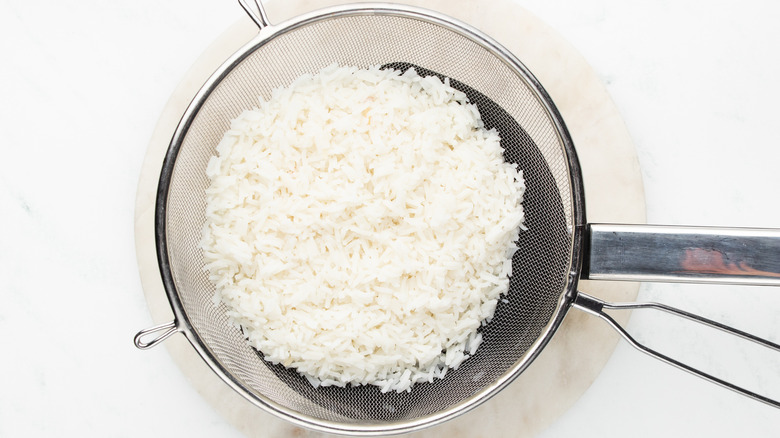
360 226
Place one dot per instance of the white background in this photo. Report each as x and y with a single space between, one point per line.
82 84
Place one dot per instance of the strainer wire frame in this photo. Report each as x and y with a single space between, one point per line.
267 33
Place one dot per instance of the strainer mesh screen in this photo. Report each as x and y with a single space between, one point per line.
506 103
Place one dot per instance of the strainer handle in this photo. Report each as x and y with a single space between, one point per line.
665 253
161 332
595 306
257 14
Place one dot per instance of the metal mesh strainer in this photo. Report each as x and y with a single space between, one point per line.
509 98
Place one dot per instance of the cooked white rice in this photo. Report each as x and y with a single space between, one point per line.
360 226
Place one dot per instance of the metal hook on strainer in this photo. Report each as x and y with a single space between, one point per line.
558 249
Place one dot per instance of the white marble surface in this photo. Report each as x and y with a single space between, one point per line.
83 84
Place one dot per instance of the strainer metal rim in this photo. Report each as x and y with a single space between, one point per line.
577 230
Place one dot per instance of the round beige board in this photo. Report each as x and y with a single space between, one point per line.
614 193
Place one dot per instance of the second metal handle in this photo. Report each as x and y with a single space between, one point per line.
596 307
